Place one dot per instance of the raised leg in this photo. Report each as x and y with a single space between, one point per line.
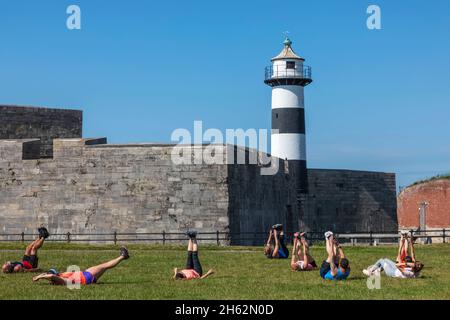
295 255
401 246
331 255
99 270
34 246
277 244
306 256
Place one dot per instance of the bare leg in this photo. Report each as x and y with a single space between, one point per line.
277 244
269 241
194 245
413 253
406 247
99 270
330 258
295 256
400 249
190 245
37 242
306 260
36 246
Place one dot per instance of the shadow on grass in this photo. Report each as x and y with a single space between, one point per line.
123 283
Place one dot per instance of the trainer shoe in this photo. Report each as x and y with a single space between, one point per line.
53 271
278 226
328 234
124 252
191 234
367 272
43 232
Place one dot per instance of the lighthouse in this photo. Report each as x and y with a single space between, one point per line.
288 76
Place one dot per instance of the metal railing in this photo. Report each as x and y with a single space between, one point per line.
274 72
219 237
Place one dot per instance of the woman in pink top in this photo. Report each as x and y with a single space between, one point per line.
299 261
193 267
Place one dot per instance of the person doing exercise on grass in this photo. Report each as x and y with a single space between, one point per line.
90 276
275 247
30 259
406 266
193 267
301 261
336 266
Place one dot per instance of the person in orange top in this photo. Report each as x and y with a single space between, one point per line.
90 276
193 267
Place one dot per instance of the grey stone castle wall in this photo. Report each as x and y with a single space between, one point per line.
39 123
351 201
258 201
89 188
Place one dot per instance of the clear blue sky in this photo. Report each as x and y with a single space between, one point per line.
139 69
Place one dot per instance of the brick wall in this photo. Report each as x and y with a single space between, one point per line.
436 193
41 123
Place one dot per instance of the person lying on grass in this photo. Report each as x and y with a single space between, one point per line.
406 257
30 259
275 247
193 267
336 266
299 261
90 276
406 266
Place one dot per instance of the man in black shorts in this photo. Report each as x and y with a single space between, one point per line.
30 260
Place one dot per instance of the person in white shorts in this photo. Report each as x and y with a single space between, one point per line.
301 261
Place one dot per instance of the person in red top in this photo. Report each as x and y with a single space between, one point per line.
30 259
90 276
193 267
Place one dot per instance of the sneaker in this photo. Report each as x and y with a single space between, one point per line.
328 234
191 234
367 272
43 232
53 271
124 252
404 233
277 227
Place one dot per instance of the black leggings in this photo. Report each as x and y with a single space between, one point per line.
194 263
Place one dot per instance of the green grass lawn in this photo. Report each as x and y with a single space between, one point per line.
242 273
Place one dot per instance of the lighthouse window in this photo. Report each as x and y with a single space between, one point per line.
290 64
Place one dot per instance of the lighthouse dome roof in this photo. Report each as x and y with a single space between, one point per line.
287 52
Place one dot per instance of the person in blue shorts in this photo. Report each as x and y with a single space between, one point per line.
336 266
275 247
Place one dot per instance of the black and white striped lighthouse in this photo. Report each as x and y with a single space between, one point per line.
288 76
